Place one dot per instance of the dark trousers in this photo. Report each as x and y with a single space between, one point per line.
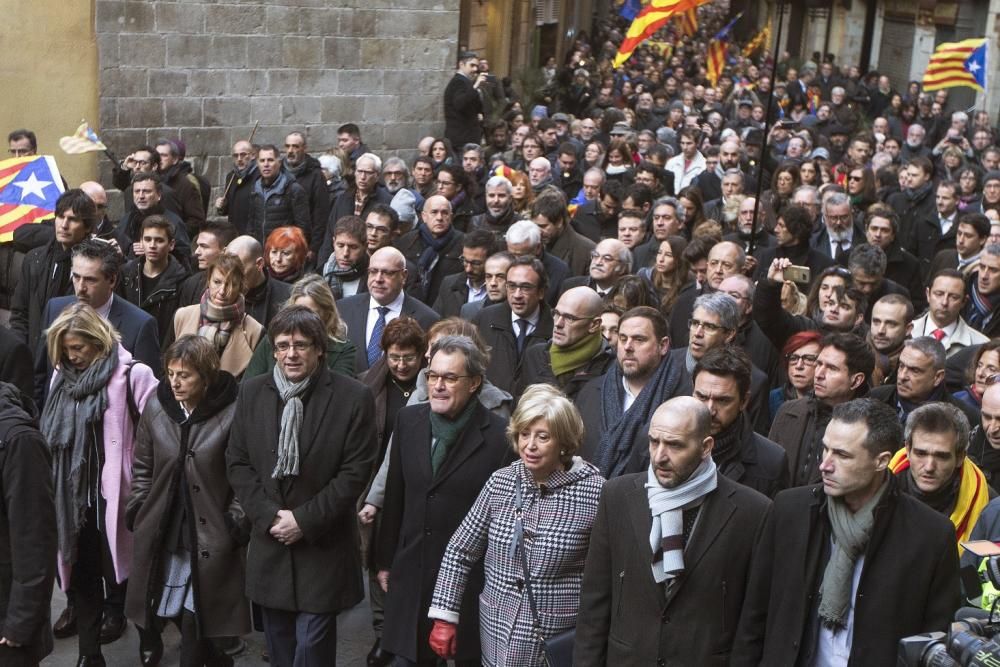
199 652
300 639
16 657
93 565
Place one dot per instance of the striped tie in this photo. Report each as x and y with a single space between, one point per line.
375 342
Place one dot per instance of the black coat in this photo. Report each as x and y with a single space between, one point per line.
288 206
801 255
778 623
909 210
924 238
264 301
236 206
449 261
15 362
906 270
192 289
420 514
129 232
538 369
591 221
45 274
762 465
162 302
454 294
344 205
313 181
506 367
462 107
626 619
321 573
27 531
354 311
574 249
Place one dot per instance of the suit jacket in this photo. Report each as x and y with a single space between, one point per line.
506 365
925 239
820 242
888 394
574 249
449 261
626 618
963 336
321 573
138 330
354 312
421 512
454 294
462 106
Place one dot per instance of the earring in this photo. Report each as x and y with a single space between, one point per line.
562 452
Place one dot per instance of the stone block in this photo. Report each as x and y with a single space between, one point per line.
140 112
428 54
343 109
418 108
428 25
322 137
168 82
318 81
183 17
247 82
360 23
183 111
108 114
380 108
299 109
206 140
282 81
188 50
142 50
124 82
109 16
342 52
361 82
267 110
235 19
107 48
228 51
207 82
324 21
138 17
123 142
402 134
282 20
239 133
302 52
226 111
381 54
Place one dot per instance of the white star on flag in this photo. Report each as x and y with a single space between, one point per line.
32 186
974 67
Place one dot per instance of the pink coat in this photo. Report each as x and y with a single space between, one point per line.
116 476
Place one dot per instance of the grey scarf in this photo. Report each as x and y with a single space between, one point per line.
851 532
666 536
287 464
75 405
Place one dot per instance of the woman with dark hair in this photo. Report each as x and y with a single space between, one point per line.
441 153
618 161
983 370
861 189
970 189
221 316
783 183
799 356
694 207
824 289
809 174
631 292
286 250
96 394
187 567
455 185
670 275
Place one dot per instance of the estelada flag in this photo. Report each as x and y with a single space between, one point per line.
29 189
957 64
84 140
653 17
717 48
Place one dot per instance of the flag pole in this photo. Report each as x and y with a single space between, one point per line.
767 124
250 141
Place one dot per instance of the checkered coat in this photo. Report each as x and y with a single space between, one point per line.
557 521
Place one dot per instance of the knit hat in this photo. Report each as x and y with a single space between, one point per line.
404 203
539 111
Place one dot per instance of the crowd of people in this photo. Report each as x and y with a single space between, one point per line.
606 359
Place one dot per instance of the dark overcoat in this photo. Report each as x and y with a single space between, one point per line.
497 331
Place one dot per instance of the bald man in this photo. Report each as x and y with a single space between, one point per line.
664 541
577 352
367 314
435 247
264 296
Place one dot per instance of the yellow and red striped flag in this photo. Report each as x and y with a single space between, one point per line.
716 56
957 64
653 17
689 22
29 189
760 40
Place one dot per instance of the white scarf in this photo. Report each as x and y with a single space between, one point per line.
666 538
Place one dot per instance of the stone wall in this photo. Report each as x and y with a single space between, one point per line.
204 72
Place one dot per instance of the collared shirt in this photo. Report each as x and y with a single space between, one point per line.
835 245
395 310
350 288
930 327
629 397
946 223
475 293
105 310
532 322
833 648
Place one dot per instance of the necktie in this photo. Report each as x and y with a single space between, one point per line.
521 335
375 343
841 247
938 334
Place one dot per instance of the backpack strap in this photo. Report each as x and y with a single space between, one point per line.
133 409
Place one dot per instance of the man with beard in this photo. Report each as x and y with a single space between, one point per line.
791 234
306 171
176 173
540 174
724 208
916 201
722 384
549 212
981 310
235 204
839 233
920 380
867 267
569 176
667 220
744 224
609 260
146 193
395 175
890 326
499 214
461 288
933 466
346 270
882 230
946 296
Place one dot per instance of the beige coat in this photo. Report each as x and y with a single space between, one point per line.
241 345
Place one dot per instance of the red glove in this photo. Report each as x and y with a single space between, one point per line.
443 639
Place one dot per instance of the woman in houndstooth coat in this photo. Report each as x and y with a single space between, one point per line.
559 495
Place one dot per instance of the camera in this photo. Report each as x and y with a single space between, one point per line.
969 643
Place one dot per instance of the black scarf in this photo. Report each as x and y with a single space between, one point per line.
916 194
905 407
729 441
431 254
941 501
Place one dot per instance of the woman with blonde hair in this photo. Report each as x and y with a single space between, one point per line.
530 524
313 292
221 316
96 394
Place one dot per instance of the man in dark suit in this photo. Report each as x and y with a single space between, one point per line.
524 238
931 234
454 444
459 289
463 107
496 285
839 232
300 454
642 605
510 328
435 247
367 314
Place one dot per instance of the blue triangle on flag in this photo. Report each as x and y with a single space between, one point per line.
34 177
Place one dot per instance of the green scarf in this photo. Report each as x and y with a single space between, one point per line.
566 359
447 431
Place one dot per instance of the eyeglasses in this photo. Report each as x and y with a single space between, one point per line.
449 379
388 273
299 346
375 229
475 263
521 287
854 178
556 314
807 359
839 218
707 327
402 358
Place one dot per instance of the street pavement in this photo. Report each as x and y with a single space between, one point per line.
354 640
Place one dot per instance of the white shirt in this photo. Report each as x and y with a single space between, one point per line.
105 310
835 245
532 322
476 293
833 649
684 174
946 223
350 288
629 397
395 310
930 327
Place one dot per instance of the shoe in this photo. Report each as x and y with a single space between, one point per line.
66 623
377 657
231 646
112 627
264 655
91 661
150 648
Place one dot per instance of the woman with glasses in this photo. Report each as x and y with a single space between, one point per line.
531 528
221 316
861 190
313 293
799 355
983 370
670 275
970 195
